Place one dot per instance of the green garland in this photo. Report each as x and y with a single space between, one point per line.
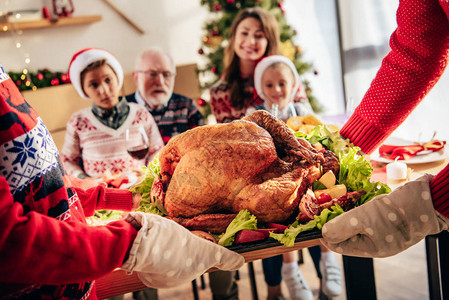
42 78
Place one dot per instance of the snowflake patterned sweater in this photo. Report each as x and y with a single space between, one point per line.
46 249
418 57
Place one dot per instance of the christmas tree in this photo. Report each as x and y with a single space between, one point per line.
216 35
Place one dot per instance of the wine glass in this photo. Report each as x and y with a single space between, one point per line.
137 143
275 110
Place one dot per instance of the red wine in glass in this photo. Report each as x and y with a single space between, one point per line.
138 144
138 152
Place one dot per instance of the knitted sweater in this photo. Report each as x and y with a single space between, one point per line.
220 101
46 249
419 54
101 148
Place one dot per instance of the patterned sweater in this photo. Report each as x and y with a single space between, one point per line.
46 249
101 148
220 101
418 57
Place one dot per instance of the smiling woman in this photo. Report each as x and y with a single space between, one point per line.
254 34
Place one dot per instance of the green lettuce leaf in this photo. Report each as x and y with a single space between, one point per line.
289 236
355 173
243 220
152 171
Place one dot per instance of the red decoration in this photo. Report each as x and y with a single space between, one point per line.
217 7
200 51
201 102
40 76
65 78
54 81
315 72
45 13
280 4
230 1
213 69
215 32
18 82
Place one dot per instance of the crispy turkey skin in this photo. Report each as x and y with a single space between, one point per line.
255 163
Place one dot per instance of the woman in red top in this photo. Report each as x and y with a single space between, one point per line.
254 34
418 57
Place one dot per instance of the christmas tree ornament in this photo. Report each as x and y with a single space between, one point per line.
287 49
201 102
215 32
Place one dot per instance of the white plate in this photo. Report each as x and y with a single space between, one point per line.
421 158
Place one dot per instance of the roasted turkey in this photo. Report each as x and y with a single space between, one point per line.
210 173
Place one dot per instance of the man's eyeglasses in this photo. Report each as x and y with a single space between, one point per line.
155 74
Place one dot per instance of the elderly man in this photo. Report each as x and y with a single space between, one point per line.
154 76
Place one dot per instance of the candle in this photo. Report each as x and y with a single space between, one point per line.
397 171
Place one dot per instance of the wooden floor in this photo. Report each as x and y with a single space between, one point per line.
403 276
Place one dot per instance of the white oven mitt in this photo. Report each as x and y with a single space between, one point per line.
165 254
387 224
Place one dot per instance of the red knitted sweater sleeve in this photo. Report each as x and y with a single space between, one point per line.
418 58
94 196
57 252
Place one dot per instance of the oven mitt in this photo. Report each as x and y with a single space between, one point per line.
165 254
387 224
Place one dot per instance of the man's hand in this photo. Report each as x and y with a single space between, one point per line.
387 224
165 254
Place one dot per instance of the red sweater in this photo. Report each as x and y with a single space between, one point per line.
46 249
418 57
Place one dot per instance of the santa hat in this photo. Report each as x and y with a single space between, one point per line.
84 58
269 61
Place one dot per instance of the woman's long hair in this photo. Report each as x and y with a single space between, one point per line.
231 71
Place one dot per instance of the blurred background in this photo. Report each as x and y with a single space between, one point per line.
343 40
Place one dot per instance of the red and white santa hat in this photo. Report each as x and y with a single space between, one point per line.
265 64
85 57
